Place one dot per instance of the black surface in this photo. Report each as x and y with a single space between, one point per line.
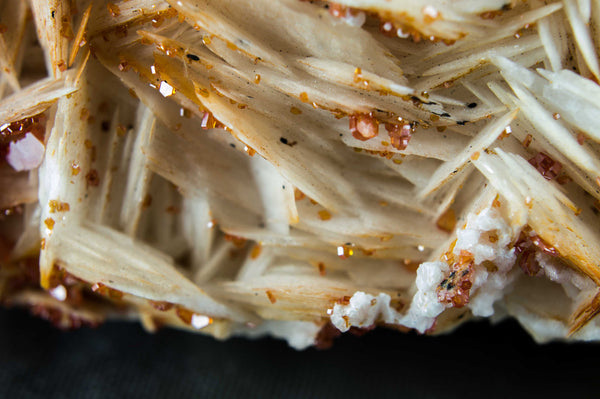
122 360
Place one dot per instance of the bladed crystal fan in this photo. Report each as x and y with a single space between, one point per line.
300 168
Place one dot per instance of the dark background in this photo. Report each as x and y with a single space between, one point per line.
122 360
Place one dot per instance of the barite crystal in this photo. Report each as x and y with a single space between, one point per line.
294 168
